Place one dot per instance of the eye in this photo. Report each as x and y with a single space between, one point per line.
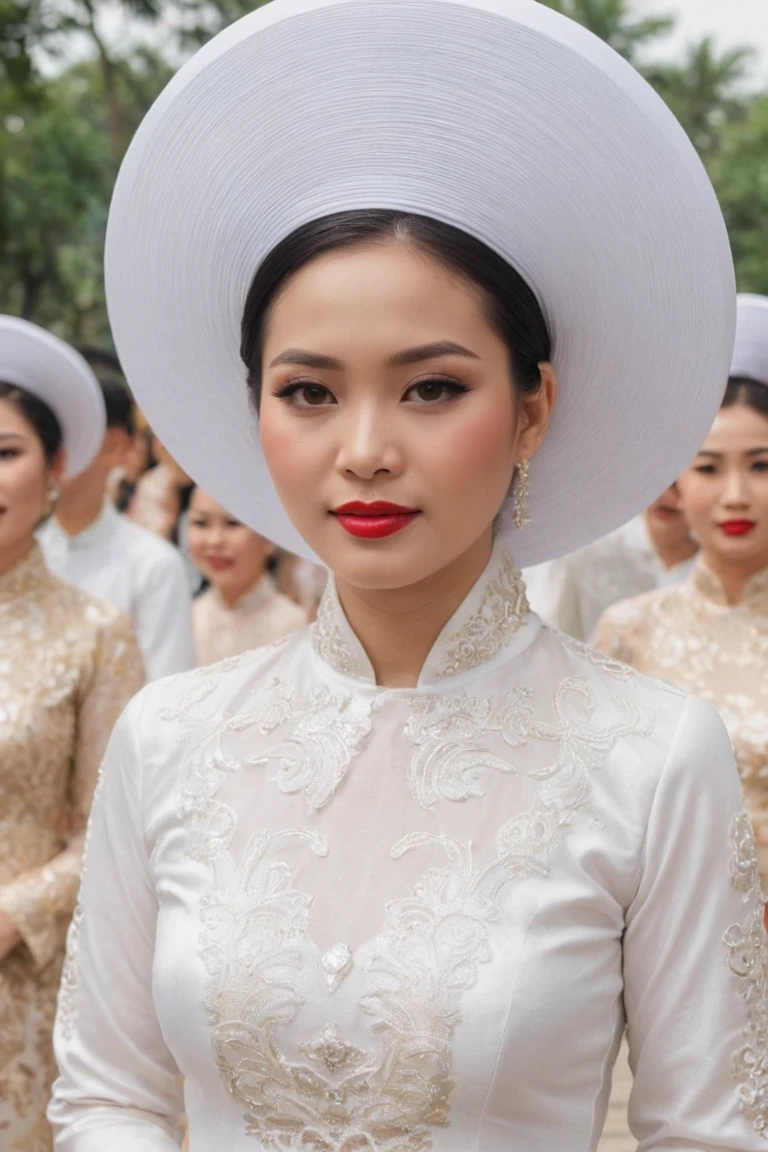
434 390
305 394
760 466
705 469
9 453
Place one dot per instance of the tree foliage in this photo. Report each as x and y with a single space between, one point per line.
62 136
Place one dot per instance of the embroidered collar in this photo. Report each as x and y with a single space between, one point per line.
29 574
493 615
754 596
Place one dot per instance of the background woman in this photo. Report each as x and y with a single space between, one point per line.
710 634
398 881
242 609
68 666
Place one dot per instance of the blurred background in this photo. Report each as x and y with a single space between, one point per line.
76 77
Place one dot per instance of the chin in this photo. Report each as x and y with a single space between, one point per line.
379 566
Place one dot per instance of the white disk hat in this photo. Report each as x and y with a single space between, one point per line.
750 355
55 373
499 117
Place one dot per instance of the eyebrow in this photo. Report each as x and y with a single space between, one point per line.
719 455
12 436
409 356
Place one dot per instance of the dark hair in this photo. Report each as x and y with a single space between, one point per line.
37 414
512 308
119 405
742 390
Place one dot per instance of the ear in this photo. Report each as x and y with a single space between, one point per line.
58 466
536 412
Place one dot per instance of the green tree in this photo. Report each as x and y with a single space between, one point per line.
705 91
615 22
740 174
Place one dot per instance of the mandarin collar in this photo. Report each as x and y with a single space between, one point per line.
28 575
754 595
493 622
257 596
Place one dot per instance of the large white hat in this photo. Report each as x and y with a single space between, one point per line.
39 362
497 116
750 355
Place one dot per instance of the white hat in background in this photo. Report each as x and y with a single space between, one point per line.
40 363
499 117
750 355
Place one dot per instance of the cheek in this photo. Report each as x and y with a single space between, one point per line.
699 497
294 451
473 455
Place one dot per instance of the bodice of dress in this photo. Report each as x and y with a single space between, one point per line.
68 666
260 617
361 919
691 636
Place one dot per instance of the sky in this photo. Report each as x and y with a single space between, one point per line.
731 22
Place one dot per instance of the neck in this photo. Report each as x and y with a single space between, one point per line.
77 511
673 553
397 627
734 576
231 597
15 554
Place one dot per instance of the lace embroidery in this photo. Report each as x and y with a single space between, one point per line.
502 610
453 762
748 960
329 640
391 1094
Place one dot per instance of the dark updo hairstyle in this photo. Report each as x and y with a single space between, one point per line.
511 307
743 390
38 415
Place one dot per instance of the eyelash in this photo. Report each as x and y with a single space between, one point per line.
710 470
9 453
453 387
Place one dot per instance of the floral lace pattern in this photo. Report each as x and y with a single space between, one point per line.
689 636
329 638
502 610
328 1091
748 961
68 666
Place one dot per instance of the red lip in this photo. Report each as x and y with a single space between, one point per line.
218 564
375 508
737 527
375 520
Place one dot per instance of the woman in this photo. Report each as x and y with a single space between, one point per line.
68 666
396 881
710 635
242 609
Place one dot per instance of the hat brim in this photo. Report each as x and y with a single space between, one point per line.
41 363
750 354
497 116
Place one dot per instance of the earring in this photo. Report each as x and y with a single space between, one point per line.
51 500
520 493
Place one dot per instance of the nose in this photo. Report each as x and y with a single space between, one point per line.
368 445
736 493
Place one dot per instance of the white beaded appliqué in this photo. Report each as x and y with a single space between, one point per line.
748 960
502 610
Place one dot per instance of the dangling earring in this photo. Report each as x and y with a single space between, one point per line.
51 500
520 493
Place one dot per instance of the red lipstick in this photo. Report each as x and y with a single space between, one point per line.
737 527
375 520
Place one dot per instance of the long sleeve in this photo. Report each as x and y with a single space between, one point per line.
695 958
163 618
118 1085
40 902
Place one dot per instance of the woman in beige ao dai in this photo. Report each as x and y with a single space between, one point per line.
68 666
